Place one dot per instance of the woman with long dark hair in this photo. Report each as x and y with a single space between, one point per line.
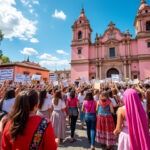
45 105
58 117
25 130
73 105
89 107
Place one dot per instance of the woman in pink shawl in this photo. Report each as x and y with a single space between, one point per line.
132 124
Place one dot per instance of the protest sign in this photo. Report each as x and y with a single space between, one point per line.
6 74
146 81
97 86
52 78
93 80
107 80
36 77
84 79
115 77
55 83
65 83
19 78
27 79
136 81
22 78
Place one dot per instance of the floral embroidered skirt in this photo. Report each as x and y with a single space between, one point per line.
104 130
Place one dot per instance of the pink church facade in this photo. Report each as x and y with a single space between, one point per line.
113 52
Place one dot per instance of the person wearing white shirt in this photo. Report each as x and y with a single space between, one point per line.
115 105
58 118
96 95
81 97
45 105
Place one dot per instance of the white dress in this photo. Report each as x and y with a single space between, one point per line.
124 141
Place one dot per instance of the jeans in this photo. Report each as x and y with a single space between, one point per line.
82 114
73 116
90 119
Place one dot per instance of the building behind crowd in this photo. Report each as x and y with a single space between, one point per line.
113 52
26 68
61 74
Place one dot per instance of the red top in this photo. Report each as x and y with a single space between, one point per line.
23 142
72 102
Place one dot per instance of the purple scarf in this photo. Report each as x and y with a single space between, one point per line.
137 121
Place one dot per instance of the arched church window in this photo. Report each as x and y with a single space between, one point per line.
148 26
79 35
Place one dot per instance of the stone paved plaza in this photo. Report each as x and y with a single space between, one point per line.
81 143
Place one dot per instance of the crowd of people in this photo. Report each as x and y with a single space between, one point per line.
34 116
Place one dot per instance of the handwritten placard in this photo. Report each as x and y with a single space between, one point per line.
6 74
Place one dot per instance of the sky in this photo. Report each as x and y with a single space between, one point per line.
41 29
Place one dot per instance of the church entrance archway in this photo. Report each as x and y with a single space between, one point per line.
112 71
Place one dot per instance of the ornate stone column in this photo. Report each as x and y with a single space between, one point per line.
124 49
129 51
124 69
97 71
100 71
96 52
129 69
100 51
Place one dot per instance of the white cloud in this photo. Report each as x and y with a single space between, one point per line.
13 23
59 15
54 63
51 61
25 2
30 6
48 57
35 2
29 51
62 52
31 11
34 40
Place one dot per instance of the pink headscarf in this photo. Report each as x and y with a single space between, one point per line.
137 121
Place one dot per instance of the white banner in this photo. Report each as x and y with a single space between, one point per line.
22 78
36 77
107 80
52 78
65 83
27 79
6 74
115 77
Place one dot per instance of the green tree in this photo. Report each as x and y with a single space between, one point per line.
1 53
1 36
5 59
